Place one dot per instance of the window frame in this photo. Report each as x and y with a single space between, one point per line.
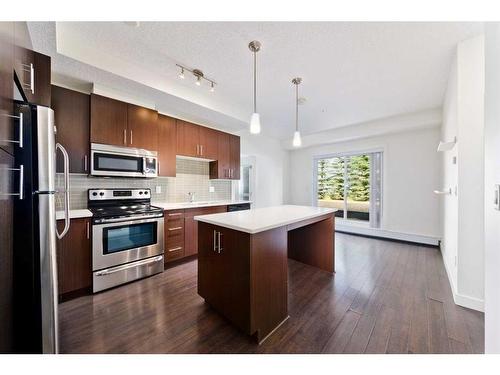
381 150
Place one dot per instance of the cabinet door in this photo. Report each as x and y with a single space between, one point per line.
187 139
6 252
167 146
33 73
234 157
72 119
208 143
74 267
6 86
220 168
108 121
191 226
142 126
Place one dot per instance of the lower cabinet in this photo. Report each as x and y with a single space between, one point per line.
181 231
74 259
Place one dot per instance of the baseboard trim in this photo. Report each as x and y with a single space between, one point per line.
383 233
461 299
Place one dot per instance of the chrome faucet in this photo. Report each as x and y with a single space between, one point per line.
191 197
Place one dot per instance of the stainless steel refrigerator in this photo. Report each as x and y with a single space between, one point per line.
35 231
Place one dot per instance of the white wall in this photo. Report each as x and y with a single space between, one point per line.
492 177
411 172
463 216
270 168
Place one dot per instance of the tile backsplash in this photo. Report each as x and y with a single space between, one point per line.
192 176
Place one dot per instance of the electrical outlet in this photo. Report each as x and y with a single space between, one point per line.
158 189
211 189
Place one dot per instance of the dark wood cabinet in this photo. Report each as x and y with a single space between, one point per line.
72 119
6 252
191 226
167 146
74 259
108 121
33 74
208 140
6 86
234 157
227 165
174 235
187 139
142 127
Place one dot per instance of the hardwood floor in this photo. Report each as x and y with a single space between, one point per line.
386 297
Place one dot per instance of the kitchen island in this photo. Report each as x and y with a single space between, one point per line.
242 260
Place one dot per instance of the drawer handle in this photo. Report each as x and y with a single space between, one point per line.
175 249
176 214
176 228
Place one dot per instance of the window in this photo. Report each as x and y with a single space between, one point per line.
352 184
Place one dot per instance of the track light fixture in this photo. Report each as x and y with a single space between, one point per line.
198 74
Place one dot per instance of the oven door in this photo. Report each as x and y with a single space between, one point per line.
126 241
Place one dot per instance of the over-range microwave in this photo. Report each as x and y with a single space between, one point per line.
116 161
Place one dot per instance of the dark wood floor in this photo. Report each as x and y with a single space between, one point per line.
385 297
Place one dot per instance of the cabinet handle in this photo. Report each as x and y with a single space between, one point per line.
201 150
176 228
230 173
131 135
124 136
88 230
215 240
197 149
85 163
31 86
175 214
21 181
20 141
175 248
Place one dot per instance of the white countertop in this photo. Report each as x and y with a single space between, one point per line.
261 219
184 205
74 214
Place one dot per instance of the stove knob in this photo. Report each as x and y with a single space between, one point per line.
101 193
146 192
94 194
140 193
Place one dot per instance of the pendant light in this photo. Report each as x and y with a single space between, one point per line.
254 46
297 141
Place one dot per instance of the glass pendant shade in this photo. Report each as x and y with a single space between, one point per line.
297 141
255 123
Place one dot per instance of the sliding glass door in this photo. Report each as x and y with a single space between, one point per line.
352 184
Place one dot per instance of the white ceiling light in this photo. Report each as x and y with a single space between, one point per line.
254 46
181 74
297 141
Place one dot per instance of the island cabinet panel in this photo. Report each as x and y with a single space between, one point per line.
74 259
142 125
188 139
244 276
167 146
191 226
174 235
223 274
108 121
72 119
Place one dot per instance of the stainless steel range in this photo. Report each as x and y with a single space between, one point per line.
127 236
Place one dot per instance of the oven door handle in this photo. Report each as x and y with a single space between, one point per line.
127 266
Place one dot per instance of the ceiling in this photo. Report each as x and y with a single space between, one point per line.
352 72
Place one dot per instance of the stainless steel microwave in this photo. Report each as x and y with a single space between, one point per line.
115 161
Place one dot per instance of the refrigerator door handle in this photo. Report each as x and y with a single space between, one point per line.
66 191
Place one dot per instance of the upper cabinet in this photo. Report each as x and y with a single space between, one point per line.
167 140
142 127
108 121
196 141
7 86
117 123
72 120
227 164
33 75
